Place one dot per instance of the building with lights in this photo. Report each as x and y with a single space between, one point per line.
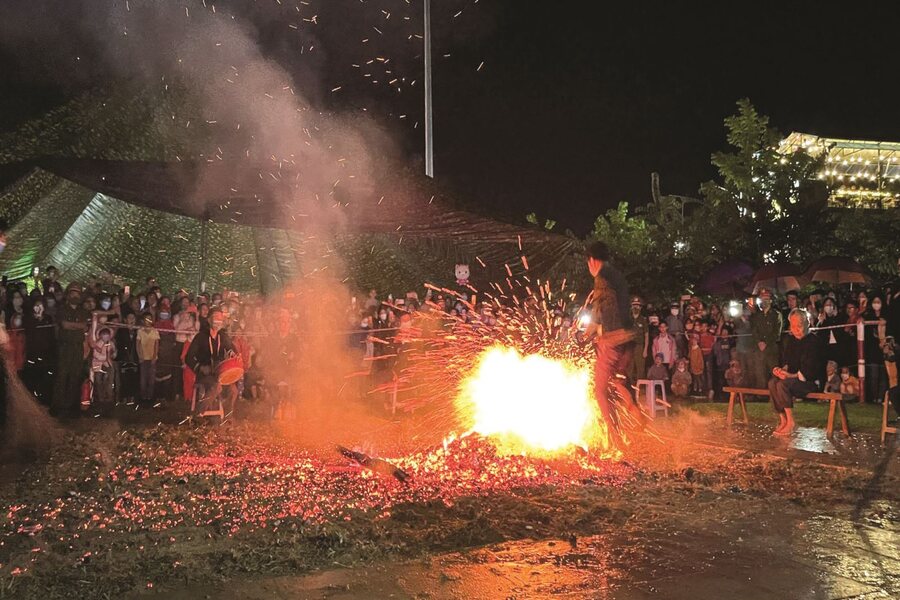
861 174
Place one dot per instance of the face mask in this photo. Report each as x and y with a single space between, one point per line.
674 312
17 322
876 305
681 368
105 304
164 316
364 324
143 303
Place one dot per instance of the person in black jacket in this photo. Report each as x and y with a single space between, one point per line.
209 348
797 376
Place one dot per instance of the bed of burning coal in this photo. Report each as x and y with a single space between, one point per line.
117 512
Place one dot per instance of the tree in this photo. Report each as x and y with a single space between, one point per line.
768 205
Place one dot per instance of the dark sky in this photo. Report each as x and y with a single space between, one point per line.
578 102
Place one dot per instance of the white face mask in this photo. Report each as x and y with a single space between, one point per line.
105 304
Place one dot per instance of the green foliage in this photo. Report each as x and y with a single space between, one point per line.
781 205
532 218
766 206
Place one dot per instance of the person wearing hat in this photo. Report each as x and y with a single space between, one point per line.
641 327
765 328
73 324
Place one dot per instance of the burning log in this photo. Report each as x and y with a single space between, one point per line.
374 464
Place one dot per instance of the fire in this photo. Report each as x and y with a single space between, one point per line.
531 404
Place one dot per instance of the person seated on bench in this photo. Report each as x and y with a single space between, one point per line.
797 376
209 348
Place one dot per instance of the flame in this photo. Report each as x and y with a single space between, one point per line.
531 404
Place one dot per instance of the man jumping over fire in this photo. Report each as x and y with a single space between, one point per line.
609 332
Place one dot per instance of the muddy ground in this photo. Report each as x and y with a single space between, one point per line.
241 511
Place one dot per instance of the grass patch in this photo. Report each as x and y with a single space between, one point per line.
862 417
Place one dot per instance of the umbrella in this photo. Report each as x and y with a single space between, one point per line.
837 270
780 278
728 278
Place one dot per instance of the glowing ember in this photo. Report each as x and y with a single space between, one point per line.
531 404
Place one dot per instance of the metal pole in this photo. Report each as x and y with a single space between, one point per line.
429 109
861 359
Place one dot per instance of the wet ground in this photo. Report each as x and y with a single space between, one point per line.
690 527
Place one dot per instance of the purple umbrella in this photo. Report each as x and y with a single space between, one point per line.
726 279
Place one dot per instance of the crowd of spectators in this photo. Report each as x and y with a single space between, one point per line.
699 347
83 346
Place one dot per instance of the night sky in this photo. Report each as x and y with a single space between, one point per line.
573 109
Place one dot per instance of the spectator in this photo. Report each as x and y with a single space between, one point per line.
876 374
168 370
734 376
15 327
707 341
797 375
696 362
765 327
681 379
127 361
664 345
658 371
849 385
40 352
832 378
103 353
723 348
641 327
72 326
148 355
675 325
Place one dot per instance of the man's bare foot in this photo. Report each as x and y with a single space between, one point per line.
787 430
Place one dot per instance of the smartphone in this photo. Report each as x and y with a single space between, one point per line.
127 290
35 272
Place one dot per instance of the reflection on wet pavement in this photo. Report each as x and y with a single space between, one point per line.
811 439
758 556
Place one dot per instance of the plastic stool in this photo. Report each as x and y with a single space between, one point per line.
654 403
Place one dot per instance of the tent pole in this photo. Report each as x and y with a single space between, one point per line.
429 109
204 250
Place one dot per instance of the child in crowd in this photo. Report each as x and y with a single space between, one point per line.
658 371
734 375
696 362
849 385
707 337
103 353
832 378
664 344
681 379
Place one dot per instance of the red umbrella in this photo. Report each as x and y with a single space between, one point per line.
780 278
837 270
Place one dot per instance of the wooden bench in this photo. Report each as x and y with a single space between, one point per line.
835 400
738 393
885 428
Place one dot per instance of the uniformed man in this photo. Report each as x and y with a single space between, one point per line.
766 327
641 344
